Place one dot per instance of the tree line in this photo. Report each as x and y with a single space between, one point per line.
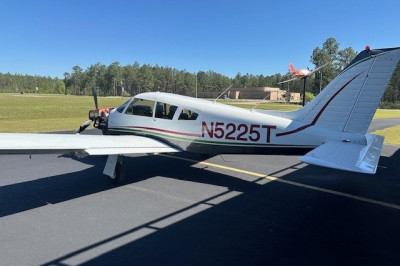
30 84
132 79
135 78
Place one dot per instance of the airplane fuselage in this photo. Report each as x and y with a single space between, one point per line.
301 73
202 126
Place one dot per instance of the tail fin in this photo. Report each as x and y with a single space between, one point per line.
291 68
349 102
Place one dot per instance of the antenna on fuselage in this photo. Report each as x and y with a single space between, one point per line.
223 93
257 104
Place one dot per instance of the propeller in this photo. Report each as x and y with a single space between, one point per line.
83 126
88 122
95 97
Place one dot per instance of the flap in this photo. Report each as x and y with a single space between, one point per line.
348 156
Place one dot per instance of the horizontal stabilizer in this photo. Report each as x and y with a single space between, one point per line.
348 156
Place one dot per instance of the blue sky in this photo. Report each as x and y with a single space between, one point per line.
48 38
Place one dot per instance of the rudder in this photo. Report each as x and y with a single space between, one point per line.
291 68
349 102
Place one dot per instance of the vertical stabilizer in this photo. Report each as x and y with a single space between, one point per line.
349 102
291 68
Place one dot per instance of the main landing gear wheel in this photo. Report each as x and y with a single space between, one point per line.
119 174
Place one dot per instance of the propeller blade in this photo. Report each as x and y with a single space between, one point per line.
95 97
83 127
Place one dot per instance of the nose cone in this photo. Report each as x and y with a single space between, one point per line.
112 123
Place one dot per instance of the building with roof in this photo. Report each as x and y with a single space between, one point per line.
269 93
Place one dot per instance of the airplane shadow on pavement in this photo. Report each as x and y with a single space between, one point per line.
18 197
276 223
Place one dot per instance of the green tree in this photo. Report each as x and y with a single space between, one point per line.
392 93
345 56
129 76
202 81
309 97
145 78
236 81
113 79
95 77
329 53
77 80
320 56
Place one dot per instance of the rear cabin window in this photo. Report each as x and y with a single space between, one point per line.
187 114
140 107
165 110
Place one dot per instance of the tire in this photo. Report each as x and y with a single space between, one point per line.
119 175
104 128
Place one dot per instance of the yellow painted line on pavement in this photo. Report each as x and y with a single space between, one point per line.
277 179
222 167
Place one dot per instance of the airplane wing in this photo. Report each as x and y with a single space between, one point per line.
318 68
19 143
348 156
288 80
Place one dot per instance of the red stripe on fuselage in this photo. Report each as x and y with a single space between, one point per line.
168 131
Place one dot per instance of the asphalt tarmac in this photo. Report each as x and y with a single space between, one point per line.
182 209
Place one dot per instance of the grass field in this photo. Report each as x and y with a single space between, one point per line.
45 113
392 135
385 113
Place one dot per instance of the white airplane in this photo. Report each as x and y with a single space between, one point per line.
334 124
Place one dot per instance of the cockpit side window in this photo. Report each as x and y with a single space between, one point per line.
140 107
165 110
187 114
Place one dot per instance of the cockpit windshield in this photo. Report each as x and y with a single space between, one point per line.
121 108
140 107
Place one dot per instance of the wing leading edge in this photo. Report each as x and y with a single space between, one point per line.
19 143
348 156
